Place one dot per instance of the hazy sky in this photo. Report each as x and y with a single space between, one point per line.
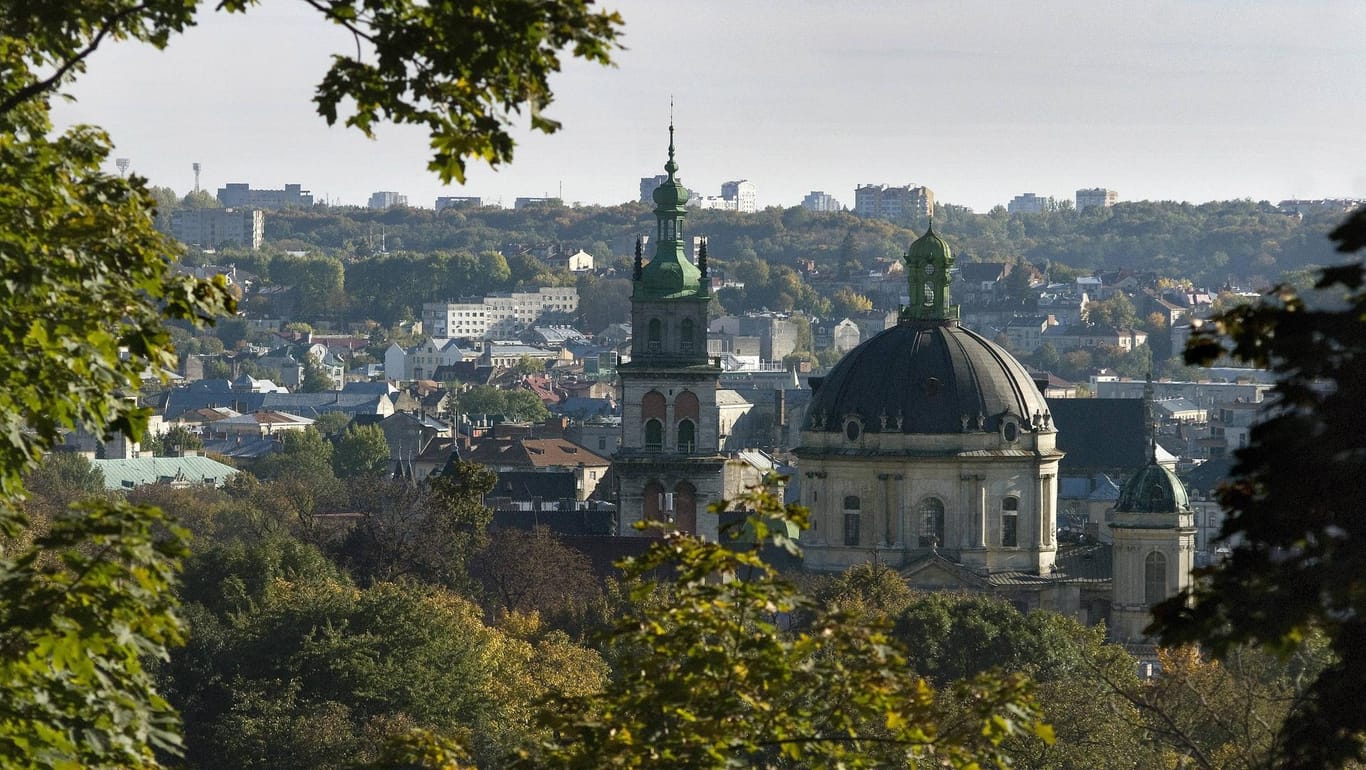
978 99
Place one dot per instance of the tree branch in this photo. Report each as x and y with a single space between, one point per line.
39 86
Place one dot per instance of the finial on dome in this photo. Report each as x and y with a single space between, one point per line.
671 167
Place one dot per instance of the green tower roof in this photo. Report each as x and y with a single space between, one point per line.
1153 490
670 274
928 261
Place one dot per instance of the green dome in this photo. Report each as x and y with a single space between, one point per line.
665 277
672 194
1153 490
930 248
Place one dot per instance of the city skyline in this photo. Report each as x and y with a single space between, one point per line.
1169 101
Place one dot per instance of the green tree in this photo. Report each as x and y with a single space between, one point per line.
360 452
712 679
88 290
316 378
428 531
1289 574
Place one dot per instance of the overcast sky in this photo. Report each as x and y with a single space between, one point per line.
978 99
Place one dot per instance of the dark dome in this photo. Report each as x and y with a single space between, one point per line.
931 373
1153 490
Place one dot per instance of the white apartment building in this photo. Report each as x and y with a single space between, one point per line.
743 193
1029 203
498 316
387 199
817 200
1096 197
242 194
879 200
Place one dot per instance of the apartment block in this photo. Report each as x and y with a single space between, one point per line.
240 194
821 201
895 203
1096 197
386 199
212 228
499 316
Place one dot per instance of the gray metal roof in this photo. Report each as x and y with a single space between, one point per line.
127 474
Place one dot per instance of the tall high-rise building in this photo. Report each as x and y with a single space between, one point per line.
895 203
743 194
1029 203
648 185
1093 197
212 228
238 194
820 201
387 199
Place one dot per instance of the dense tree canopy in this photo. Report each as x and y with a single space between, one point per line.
1295 519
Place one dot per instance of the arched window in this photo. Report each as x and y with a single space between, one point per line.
687 436
931 514
685 507
685 336
654 435
1010 522
852 520
1154 578
654 336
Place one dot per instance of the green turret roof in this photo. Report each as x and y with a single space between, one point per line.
670 274
1153 490
928 262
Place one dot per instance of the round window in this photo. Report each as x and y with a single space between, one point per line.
1010 431
852 429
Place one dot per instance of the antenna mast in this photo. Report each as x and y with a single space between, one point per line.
196 175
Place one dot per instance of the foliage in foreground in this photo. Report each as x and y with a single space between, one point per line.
1295 517
710 676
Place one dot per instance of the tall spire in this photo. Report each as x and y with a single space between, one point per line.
670 273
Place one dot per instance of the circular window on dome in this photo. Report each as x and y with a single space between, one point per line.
853 428
1010 429
929 268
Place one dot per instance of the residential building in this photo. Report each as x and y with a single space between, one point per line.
1029 203
236 194
821 201
1025 334
212 228
894 203
648 185
842 335
578 262
522 203
1079 337
743 193
500 316
1096 197
458 201
387 200
420 362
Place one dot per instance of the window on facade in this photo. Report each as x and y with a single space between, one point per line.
685 338
654 435
852 520
655 336
851 529
602 442
1154 578
687 436
1010 522
931 514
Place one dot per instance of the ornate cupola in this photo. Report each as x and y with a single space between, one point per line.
670 274
928 262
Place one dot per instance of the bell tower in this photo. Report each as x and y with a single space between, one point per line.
669 465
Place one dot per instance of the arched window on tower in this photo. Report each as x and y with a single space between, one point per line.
654 337
653 410
1010 522
1154 578
687 436
654 435
931 522
685 336
853 519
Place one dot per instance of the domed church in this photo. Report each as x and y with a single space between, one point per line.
929 448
